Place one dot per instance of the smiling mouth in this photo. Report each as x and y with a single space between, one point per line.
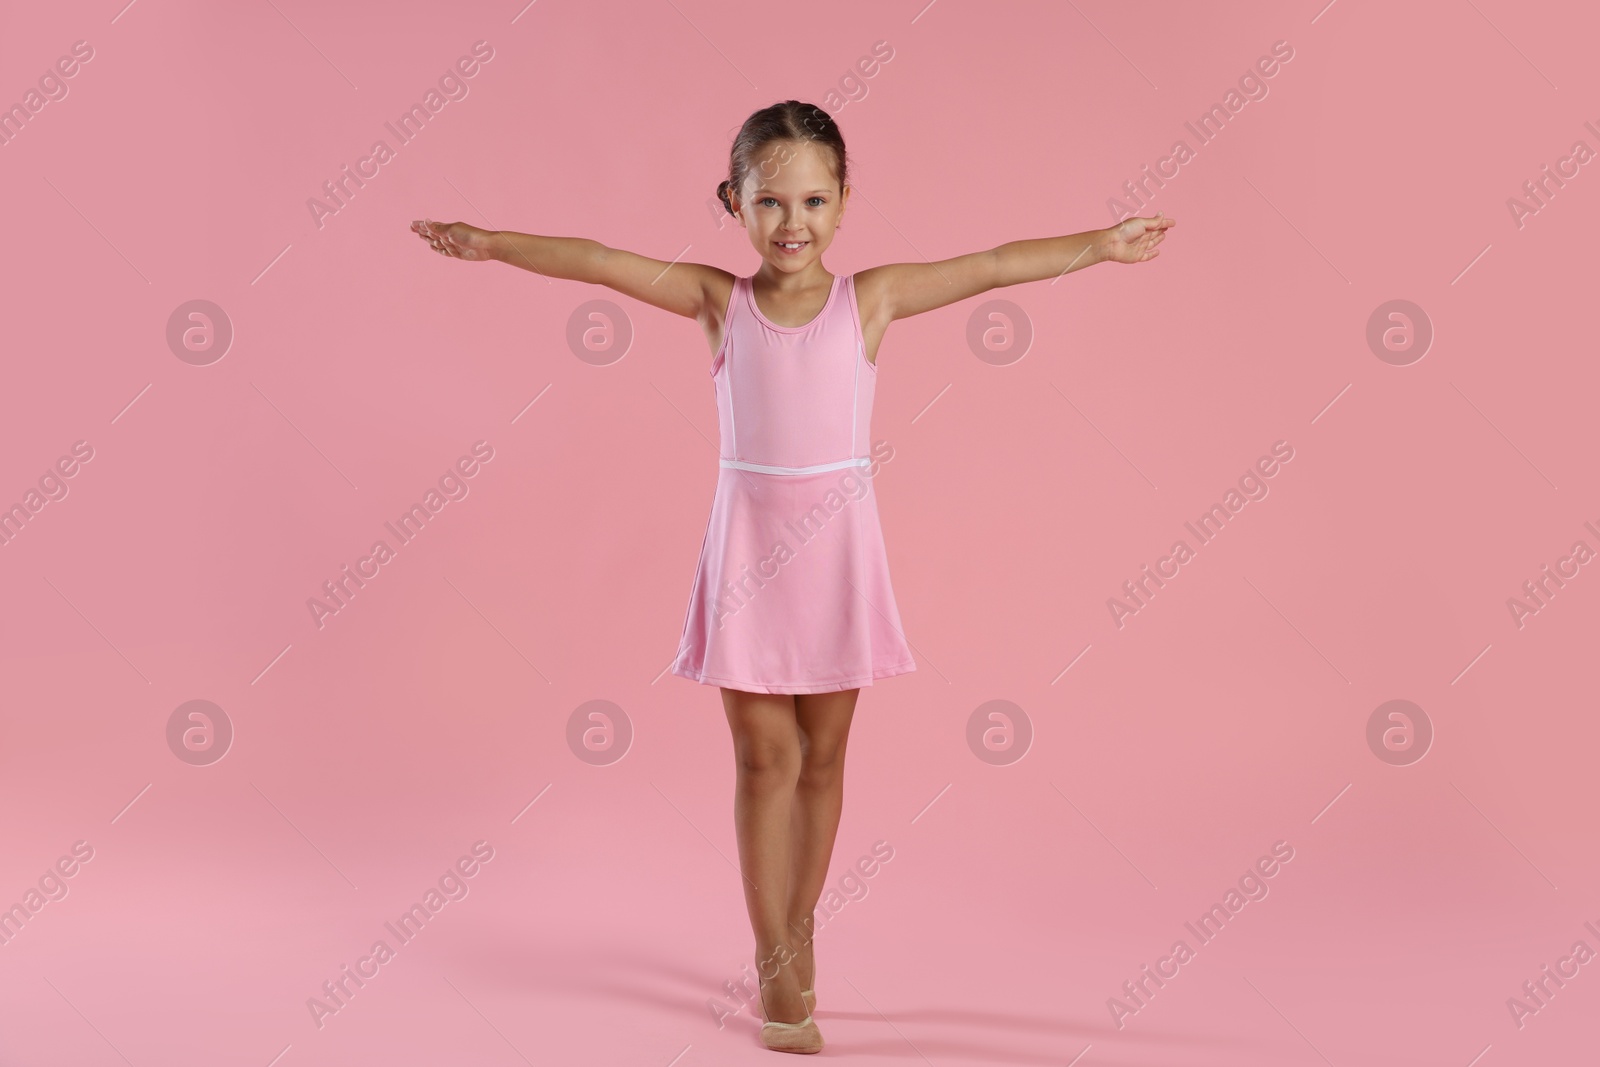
791 245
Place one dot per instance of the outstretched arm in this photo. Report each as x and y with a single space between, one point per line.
911 288
1129 241
682 288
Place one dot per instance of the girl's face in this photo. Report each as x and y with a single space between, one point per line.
791 196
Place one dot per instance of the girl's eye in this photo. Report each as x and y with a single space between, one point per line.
820 200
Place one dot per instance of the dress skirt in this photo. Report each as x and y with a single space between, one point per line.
792 591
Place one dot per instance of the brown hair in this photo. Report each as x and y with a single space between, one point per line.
790 120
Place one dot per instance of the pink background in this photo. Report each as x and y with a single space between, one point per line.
1229 714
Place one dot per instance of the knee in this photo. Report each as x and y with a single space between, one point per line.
768 764
822 765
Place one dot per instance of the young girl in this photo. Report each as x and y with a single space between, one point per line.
791 610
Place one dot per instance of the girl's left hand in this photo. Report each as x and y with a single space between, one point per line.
1135 240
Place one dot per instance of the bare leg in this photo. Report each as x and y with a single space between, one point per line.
824 722
766 748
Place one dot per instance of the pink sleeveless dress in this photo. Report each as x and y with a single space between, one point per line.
792 592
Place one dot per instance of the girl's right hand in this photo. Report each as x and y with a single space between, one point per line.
457 239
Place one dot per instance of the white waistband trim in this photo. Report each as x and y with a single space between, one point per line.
815 468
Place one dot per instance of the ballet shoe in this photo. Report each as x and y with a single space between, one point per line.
802 1036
